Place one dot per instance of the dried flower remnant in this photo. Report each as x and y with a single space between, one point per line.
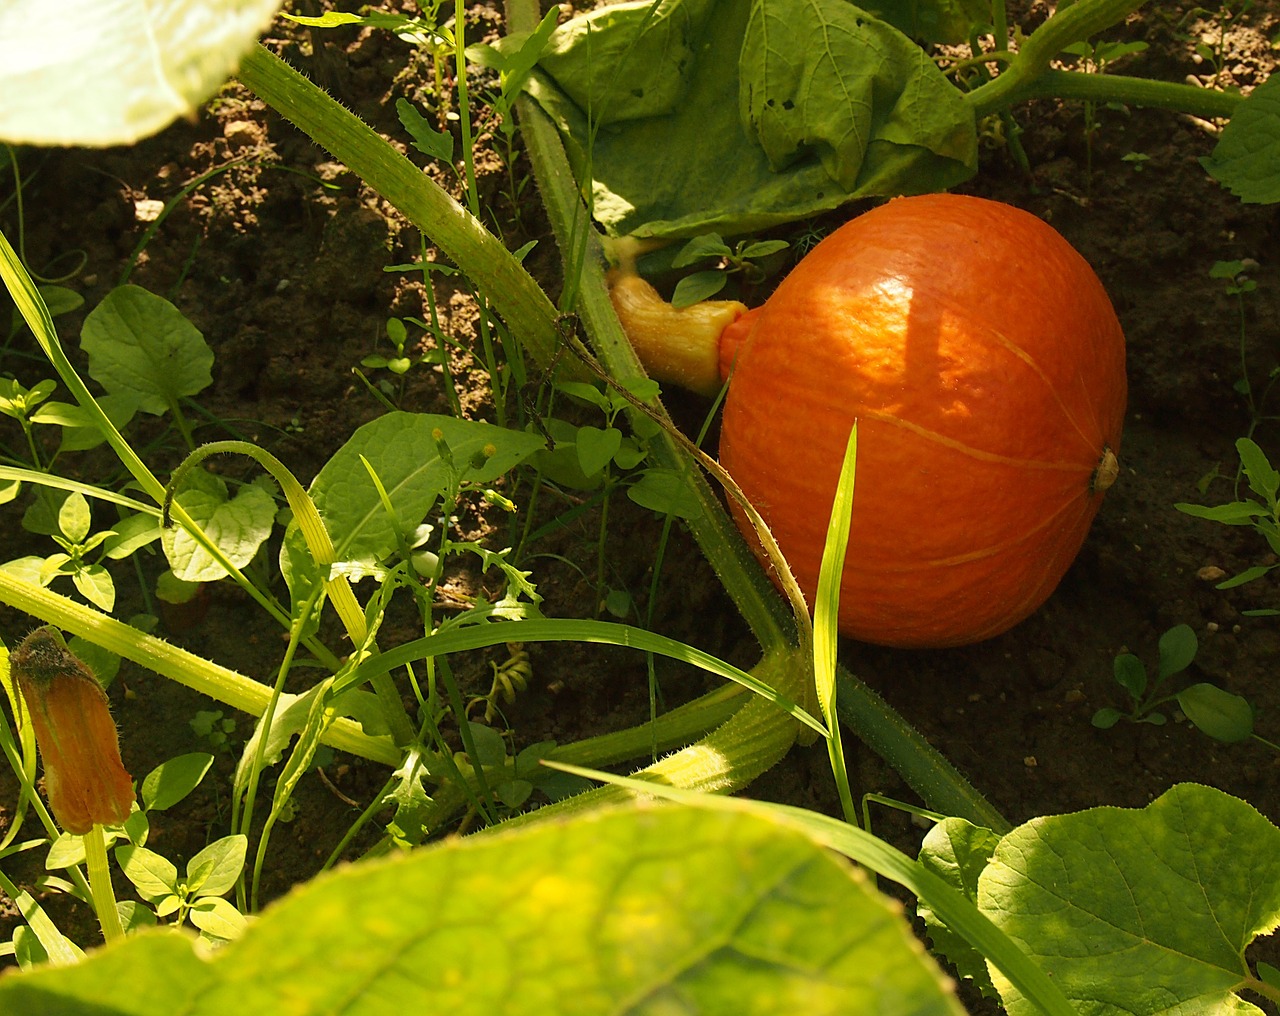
86 782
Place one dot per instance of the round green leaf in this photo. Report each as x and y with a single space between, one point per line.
597 447
140 343
109 72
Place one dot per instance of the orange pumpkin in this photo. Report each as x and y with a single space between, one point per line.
983 363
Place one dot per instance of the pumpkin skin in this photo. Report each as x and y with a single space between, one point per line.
984 365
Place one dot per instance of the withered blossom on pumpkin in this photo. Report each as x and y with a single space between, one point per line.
85 780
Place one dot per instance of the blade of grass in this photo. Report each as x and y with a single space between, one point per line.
565 630
826 618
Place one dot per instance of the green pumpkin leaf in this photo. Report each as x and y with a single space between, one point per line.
140 344
717 115
1247 153
1139 912
680 909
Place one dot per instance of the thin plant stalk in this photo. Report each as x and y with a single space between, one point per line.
103 894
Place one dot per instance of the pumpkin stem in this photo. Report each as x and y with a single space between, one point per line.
681 346
1105 473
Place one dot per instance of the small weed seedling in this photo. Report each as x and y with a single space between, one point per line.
1235 274
1221 715
1177 648
747 259
1261 513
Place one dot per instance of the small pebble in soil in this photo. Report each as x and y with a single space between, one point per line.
1211 573
1030 762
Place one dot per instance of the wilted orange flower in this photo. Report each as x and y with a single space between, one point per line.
86 782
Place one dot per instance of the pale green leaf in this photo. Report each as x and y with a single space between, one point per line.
80 428
108 72
1140 912
678 909
214 870
237 527
74 519
131 533
141 344
217 917
153 875
401 449
95 584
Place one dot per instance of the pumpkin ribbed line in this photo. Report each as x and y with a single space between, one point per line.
964 449
989 551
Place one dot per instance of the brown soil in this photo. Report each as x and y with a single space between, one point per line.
283 273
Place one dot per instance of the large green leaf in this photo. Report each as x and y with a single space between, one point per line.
1140 911
108 72
932 21
640 909
731 116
